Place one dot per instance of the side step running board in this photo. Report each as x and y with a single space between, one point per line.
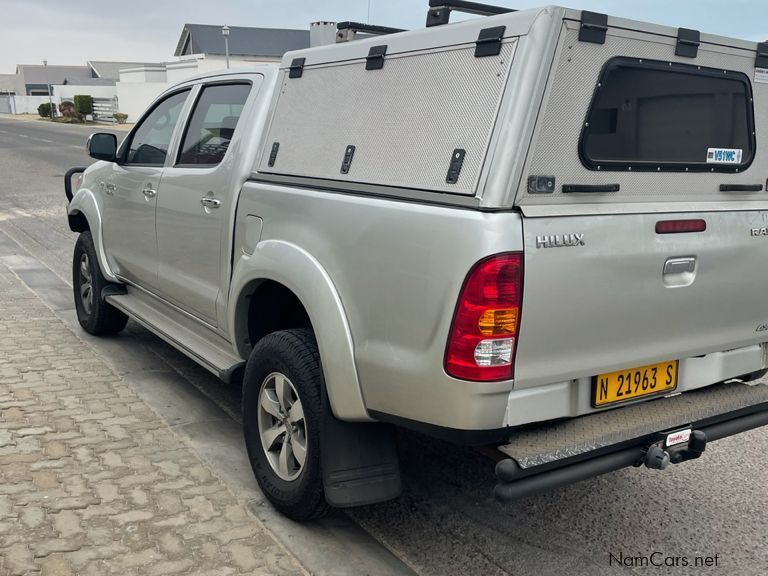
185 334
554 455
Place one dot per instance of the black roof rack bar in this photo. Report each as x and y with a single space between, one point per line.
346 31
440 10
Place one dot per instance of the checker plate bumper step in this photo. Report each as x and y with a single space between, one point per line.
545 456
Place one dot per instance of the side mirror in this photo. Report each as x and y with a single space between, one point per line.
102 146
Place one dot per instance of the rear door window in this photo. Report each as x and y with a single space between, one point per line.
652 115
213 124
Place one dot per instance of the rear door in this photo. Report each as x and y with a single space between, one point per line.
195 207
651 243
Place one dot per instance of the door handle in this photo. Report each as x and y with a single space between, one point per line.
680 265
210 202
149 192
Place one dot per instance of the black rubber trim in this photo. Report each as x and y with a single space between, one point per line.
741 187
590 188
453 435
68 181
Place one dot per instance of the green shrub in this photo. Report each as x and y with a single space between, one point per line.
120 117
44 110
84 104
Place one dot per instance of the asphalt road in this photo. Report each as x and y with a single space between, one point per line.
446 522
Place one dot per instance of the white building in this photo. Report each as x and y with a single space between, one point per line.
201 49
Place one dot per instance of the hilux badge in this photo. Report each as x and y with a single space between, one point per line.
559 240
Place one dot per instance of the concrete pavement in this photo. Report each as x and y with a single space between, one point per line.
92 481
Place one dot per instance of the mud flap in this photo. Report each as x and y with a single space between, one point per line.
359 462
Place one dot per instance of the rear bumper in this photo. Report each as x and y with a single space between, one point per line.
548 456
573 397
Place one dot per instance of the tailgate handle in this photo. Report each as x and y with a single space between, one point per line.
680 265
741 187
590 188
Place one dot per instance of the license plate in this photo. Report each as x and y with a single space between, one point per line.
624 385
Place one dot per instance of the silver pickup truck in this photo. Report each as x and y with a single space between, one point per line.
541 232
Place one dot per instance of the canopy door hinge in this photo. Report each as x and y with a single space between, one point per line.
296 69
375 58
687 43
762 55
593 27
489 41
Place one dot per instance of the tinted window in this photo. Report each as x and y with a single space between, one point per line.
150 142
651 115
213 123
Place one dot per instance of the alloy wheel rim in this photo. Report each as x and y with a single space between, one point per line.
282 428
86 284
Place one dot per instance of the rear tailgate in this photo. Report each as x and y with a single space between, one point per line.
629 135
607 304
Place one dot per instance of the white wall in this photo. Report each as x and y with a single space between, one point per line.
212 63
69 91
134 97
143 74
180 71
138 87
29 104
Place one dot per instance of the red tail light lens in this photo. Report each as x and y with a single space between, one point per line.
483 338
680 226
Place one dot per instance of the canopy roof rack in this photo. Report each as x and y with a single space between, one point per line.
440 10
347 31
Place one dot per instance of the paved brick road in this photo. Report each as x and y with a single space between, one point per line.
92 481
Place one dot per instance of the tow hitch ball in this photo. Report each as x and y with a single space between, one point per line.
659 457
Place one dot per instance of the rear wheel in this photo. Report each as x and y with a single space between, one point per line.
282 418
94 314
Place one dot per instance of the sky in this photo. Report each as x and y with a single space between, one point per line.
148 30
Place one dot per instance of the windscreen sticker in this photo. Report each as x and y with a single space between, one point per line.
761 75
724 156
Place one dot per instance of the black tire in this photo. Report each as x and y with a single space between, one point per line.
94 314
294 354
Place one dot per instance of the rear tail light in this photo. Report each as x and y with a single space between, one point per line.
483 338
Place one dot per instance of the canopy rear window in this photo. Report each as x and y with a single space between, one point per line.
652 115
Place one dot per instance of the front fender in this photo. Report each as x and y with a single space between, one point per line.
86 204
299 271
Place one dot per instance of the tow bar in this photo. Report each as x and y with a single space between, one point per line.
656 452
